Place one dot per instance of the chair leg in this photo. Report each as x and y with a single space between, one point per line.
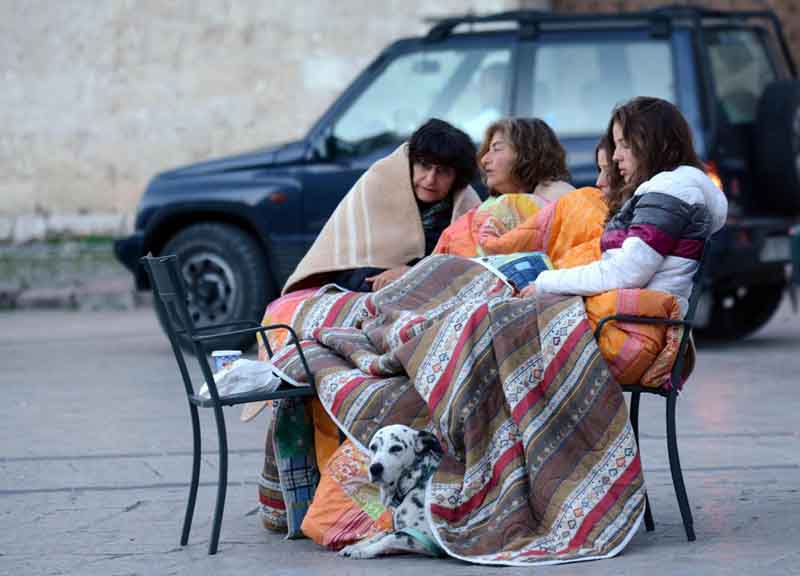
648 513
187 519
675 468
222 485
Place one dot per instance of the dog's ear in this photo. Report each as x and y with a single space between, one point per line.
427 442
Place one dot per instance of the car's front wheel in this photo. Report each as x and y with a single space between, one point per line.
226 277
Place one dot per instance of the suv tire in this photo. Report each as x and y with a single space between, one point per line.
777 144
226 277
738 313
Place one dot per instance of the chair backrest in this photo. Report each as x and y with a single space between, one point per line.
698 281
169 292
698 285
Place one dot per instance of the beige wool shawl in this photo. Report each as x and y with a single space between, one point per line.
377 224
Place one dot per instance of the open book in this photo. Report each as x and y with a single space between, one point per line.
518 269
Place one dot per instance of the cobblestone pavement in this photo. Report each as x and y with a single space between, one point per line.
97 450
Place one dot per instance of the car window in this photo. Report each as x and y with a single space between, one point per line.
577 85
740 69
468 88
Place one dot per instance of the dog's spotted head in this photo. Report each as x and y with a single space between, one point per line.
396 449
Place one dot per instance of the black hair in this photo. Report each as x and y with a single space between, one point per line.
441 143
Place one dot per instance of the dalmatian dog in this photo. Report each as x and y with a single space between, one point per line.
401 461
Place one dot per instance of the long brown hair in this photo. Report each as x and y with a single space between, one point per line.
659 137
540 157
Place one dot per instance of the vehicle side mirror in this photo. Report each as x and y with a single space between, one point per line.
324 146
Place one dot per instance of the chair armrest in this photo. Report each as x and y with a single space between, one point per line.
263 330
250 330
638 320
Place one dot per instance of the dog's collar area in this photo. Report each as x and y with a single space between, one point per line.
430 545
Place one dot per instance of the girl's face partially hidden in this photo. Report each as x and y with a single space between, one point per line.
432 182
497 163
604 166
623 155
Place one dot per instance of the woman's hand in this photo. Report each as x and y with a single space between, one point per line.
492 227
528 292
386 278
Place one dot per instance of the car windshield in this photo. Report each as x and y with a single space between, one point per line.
741 70
468 88
576 85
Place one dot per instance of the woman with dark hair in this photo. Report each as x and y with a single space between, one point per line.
524 167
394 214
668 208
390 219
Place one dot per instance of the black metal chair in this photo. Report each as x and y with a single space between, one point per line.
671 395
170 298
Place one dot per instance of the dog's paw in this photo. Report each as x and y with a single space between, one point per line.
355 551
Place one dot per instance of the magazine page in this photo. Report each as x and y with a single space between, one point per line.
518 269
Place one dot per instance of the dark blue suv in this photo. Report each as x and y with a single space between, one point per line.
240 224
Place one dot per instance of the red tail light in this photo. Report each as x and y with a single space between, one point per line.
713 173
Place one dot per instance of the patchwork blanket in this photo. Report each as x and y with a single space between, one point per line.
541 464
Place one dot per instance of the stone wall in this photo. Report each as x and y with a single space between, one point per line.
98 96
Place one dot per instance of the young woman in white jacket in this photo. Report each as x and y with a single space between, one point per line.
671 207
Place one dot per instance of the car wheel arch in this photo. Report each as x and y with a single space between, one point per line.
172 222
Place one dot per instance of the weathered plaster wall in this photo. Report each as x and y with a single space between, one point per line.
98 96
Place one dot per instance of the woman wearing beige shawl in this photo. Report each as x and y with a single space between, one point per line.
394 214
391 217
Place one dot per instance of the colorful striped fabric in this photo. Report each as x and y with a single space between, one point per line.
541 464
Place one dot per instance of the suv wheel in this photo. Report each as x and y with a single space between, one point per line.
226 277
740 312
777 150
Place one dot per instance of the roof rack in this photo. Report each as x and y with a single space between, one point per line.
445 26
529 21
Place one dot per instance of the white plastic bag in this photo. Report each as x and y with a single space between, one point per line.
245 375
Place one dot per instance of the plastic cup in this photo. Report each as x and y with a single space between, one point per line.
222 359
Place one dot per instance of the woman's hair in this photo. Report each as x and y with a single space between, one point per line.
539 155
437 142
615 197
659 137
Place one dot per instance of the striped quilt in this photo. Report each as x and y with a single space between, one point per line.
541 464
